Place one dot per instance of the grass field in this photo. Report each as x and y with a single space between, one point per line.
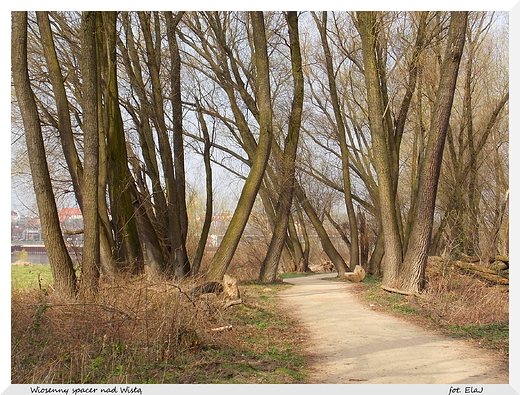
30 277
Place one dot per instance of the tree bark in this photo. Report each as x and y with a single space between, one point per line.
227 248
209 195
333 90
127 245
303 264
414 264
91 245
382 151
269 267
59 259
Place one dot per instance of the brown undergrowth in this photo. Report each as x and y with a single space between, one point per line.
140 331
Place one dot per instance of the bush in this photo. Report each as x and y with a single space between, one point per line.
21 256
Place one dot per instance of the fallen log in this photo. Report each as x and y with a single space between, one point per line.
482 272
397 291
473 259
222 328
472 266
501 258
231 303
499 265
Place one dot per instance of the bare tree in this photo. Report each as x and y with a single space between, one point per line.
412 277
283 207
59 259
222 258
341 131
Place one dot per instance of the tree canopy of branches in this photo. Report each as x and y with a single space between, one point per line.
383 136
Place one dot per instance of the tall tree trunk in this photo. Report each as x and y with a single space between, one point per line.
59 259
376 259
383 155
108 262
303 264
364 243
354 236
127 244
227 248
89 72
415 259
294 247
179 263
269 267
62 105
178 141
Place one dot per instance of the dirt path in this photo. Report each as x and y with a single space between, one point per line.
350 343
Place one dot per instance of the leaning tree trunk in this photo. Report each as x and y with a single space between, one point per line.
283 207
414 264
59 259
62 105
333 90
326 243
227 248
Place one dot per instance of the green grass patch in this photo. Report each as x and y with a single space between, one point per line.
371 279
294 274
405 309
30 277
494 336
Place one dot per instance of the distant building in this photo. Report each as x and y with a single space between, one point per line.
32 235
25 228
15 218
70 213
16 233
71 221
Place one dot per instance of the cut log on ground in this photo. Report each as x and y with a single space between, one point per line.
482 272
397 291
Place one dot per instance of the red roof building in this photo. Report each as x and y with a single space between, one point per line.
69 213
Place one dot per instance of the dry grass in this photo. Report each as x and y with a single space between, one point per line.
461 299
138 331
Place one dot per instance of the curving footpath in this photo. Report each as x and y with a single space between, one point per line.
351 343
